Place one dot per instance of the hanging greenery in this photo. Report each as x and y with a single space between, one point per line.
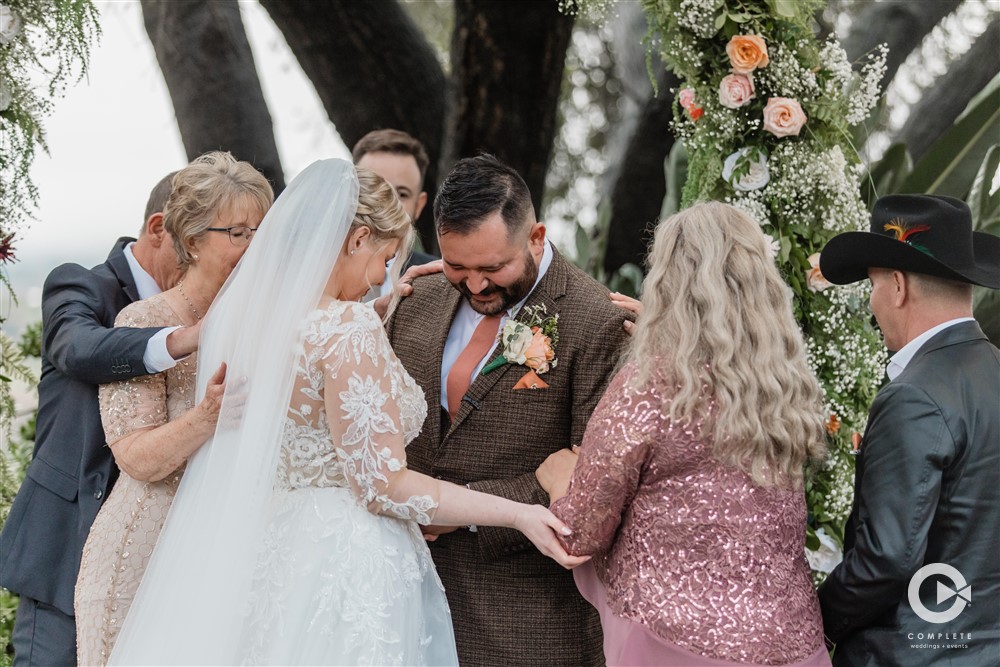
44 46
765 115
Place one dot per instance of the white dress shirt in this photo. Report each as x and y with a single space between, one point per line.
899 361
465 323
156 358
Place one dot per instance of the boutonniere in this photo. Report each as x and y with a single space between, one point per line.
529 343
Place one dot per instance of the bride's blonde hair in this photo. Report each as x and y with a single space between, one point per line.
380 210
717 317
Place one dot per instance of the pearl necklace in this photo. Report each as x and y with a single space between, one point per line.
180 288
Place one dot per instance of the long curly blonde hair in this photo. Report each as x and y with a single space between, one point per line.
717 318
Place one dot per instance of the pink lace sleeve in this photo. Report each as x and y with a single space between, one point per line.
614 451
140 402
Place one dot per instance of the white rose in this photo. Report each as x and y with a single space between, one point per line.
755 179
516 338
827 557
10 24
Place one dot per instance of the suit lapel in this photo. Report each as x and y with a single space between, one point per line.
549 290
437 336
119 266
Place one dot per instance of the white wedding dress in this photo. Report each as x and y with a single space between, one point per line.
336 583
293 537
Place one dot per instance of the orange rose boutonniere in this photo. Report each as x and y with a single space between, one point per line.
532 344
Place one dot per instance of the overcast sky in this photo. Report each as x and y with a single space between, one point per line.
114 135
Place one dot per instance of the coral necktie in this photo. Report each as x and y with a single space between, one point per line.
460 375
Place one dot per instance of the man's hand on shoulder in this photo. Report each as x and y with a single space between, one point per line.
183 341
405 285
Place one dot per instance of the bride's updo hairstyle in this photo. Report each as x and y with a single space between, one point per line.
380 210
717 318
208 186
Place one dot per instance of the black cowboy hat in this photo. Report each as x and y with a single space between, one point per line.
926 234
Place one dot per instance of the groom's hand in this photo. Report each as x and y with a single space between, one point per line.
555 472
431 533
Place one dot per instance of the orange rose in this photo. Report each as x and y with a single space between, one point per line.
747 53
539 352
686 100
832 424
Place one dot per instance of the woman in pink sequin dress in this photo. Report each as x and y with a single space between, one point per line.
688 489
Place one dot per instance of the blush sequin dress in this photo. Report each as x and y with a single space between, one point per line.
694 564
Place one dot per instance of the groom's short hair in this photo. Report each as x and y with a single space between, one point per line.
477 187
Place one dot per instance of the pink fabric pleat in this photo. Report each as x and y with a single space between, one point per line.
631 644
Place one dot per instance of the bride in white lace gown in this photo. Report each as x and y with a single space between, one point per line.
294 535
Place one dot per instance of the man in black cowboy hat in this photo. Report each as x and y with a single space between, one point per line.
920 579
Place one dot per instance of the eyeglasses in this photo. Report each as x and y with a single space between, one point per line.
239 235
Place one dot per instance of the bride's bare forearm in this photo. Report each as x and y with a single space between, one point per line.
459 506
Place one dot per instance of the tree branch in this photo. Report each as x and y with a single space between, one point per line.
206 61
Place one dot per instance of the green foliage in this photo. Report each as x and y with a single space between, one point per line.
952 162
14 458
985 207
53 45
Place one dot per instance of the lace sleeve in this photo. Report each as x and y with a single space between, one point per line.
364 394
135 404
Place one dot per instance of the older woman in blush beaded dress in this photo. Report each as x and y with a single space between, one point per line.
152 423
688 488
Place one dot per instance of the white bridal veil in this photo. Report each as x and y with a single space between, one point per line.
190 606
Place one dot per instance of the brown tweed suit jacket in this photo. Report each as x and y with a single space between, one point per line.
510 604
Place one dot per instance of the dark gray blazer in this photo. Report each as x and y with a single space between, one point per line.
927 490
72 469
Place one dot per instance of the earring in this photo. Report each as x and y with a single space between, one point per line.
352 252
194 257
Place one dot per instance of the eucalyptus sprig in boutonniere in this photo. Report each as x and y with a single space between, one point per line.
529 343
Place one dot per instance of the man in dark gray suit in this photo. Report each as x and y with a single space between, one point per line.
72 470
920 578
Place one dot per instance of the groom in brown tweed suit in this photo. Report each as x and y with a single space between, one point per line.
510 604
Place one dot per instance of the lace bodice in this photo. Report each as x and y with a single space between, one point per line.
352 412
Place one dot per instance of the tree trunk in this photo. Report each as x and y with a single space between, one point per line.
206 61
372 68
507 62
900 24
641 186
944 101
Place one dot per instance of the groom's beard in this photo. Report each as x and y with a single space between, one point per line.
505 297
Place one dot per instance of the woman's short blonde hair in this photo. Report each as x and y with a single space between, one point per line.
717 319
205 188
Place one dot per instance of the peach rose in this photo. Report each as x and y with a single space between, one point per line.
735 90
747 53
783 117
539 352
814 277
